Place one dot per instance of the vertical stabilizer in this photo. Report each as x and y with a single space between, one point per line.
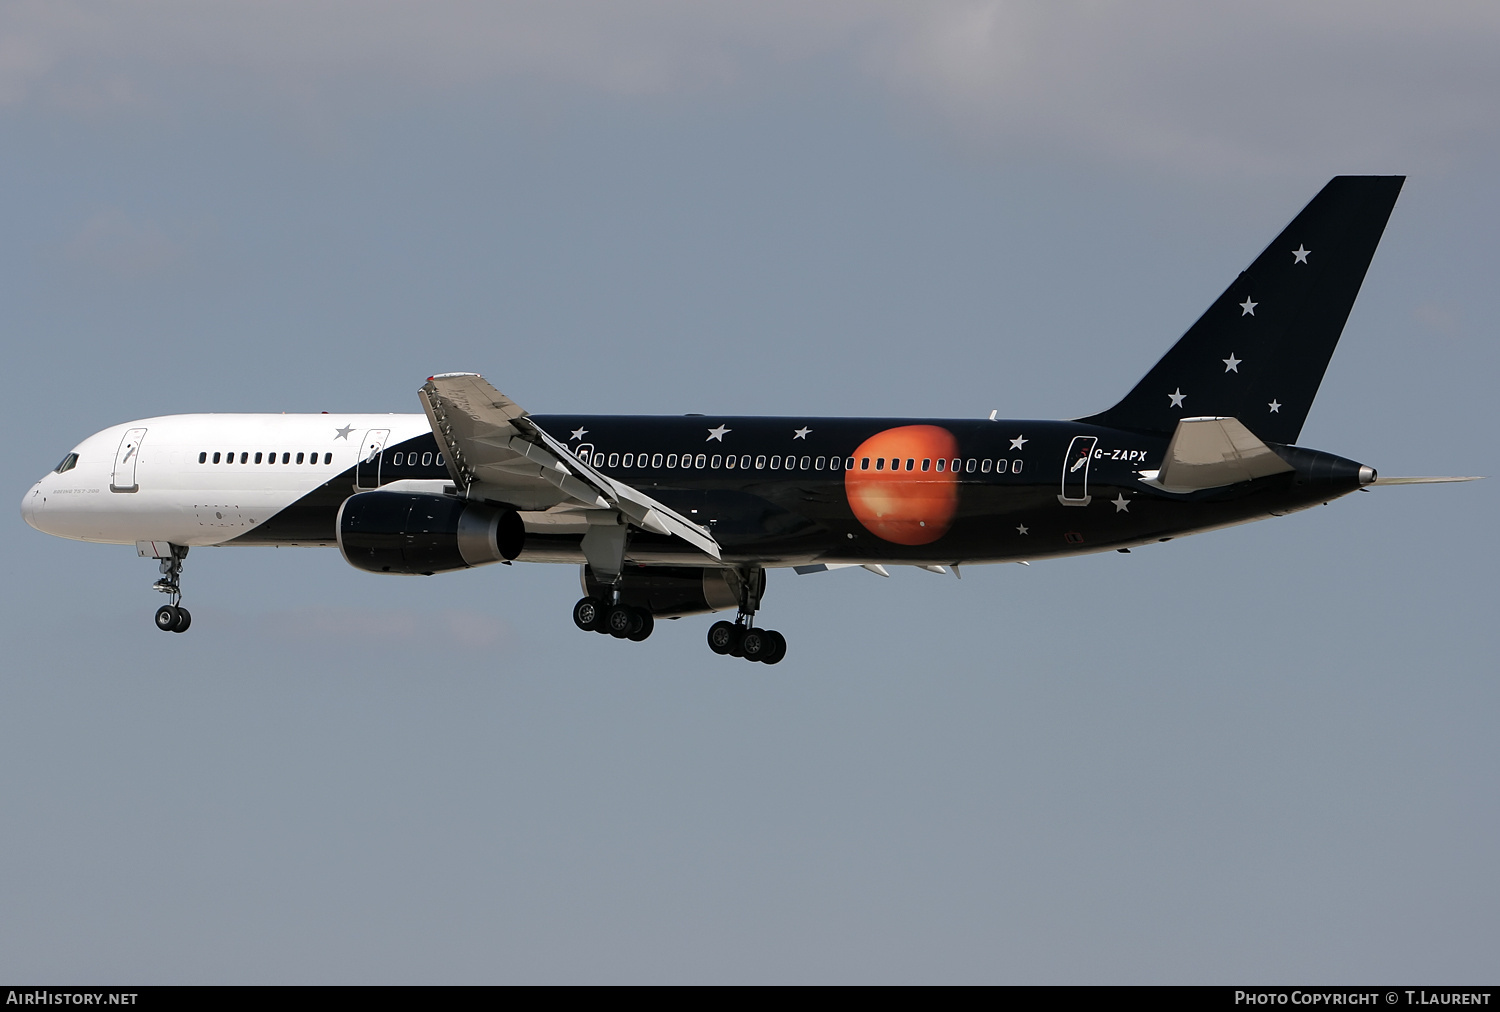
1260 351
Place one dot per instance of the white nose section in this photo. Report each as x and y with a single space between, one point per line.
31 506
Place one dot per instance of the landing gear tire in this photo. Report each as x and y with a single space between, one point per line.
756 644
588 614
620 621
167 617
184 619
777 648
643 629
724 637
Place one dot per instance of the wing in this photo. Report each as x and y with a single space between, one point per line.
495 451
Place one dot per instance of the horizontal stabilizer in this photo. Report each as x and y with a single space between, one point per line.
1437 480
1213 452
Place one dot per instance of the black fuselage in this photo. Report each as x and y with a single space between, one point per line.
790 491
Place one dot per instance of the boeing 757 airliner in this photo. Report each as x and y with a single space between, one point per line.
669 516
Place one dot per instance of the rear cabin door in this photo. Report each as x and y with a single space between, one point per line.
126 458
1075 476
367 471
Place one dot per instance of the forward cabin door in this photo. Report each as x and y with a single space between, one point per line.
1075 476
126 457
367 471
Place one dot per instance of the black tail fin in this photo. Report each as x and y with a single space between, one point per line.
1259 352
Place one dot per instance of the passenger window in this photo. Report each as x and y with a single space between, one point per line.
216 456
776 462
286 458
969 465
942 463
627 460
698 461
880 463
864 463
202 459
257 457
656 460
984 465
760 461
956 465
1015 468
671 460
926 463
805 463
299 458
328 458
849 464
716 461
397 457
745 462
911 463
818 464
729 463
439 460
1001 465
614 460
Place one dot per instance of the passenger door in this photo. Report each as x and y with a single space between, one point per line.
126 458
1075 476
367 471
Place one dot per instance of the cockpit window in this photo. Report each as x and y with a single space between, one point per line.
68 463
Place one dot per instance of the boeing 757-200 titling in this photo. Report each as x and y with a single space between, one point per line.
669 516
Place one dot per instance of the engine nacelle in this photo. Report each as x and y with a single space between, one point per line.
417 534
670 591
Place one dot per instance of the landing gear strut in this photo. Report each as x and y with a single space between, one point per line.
742 639
172 617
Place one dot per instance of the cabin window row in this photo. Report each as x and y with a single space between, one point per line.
410 459
245 457
793 463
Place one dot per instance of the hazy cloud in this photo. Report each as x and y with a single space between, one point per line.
1266 87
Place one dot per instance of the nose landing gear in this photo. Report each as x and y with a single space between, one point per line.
170 617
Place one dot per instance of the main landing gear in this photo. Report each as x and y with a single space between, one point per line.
742 639
172 617
618 620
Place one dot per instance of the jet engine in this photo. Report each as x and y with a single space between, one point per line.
417 534
671 591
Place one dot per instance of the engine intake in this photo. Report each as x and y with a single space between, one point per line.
416 534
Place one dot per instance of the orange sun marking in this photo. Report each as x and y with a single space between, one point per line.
908 506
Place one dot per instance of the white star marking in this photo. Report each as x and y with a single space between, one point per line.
1301 254
1018 443
801 433
1122 504
578 433
1177 397
1022 529
1275 407
344 432
718 433
1247 308
1232 364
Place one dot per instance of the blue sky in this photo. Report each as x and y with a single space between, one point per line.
1264 754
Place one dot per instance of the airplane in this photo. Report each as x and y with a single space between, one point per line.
669 516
